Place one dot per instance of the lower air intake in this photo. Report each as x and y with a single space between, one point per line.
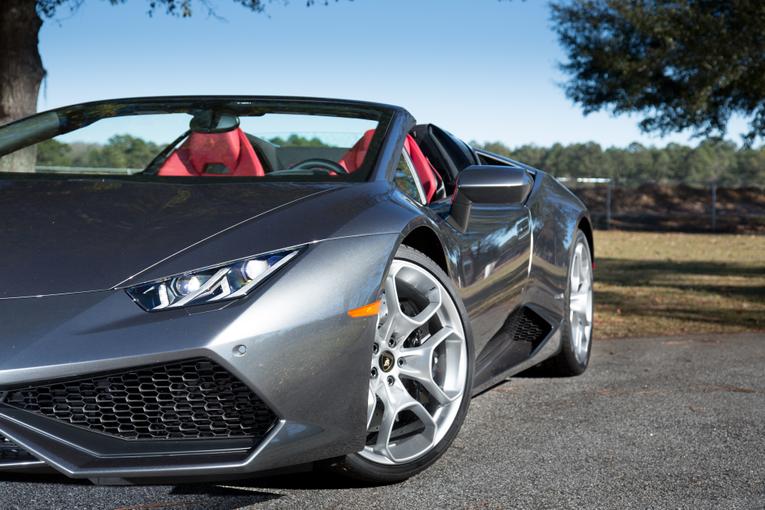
11 453
193 399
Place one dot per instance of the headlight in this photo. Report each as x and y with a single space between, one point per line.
208 285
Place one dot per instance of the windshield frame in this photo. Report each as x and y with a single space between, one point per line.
49 124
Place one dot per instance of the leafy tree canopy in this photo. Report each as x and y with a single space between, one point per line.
183 8
682 64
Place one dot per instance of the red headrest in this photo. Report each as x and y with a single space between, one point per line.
230 152
355 156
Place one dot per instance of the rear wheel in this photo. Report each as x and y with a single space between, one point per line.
420 376
577 331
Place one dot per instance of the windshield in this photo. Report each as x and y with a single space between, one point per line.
280 140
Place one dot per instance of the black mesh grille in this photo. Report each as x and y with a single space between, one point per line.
10 452
528 326
194 399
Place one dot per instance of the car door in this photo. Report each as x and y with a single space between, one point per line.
495 249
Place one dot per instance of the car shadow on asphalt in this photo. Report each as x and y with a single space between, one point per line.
191 496
34 478
309 480
225 496
305 480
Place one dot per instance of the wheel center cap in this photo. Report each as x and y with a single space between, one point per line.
387 361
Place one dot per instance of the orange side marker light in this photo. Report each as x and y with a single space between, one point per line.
372 309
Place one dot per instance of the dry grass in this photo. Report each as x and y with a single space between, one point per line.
670 284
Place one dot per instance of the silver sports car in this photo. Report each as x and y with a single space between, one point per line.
211 287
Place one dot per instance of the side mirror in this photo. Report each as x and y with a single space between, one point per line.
489 184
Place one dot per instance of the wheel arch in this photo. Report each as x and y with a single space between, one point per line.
585 225
424 239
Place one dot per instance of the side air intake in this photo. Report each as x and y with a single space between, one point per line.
520 335
526 326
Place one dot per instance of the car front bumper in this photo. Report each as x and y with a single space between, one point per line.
291 342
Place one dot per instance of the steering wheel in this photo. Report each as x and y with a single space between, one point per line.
326 165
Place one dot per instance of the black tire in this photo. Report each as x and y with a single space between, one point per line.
359 468
565 363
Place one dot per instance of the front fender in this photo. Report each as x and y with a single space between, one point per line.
305 358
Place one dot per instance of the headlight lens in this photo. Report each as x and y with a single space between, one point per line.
208 285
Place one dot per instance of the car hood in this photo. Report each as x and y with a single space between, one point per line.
62 236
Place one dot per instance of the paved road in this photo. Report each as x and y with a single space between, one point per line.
664 423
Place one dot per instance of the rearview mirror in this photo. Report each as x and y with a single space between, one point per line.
489 184
210 122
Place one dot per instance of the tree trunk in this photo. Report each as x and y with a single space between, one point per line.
21 72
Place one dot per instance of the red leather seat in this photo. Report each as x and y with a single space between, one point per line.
354 158
356 155
227 154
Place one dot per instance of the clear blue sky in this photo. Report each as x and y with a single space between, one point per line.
484 69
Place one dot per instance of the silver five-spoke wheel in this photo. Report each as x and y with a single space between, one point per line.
580 300
419 367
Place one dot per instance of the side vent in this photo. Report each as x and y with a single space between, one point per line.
527 326
520 335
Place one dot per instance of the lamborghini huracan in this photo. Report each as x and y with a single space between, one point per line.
217 287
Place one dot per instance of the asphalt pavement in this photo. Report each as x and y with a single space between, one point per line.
673 422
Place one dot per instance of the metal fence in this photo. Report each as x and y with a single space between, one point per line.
671 206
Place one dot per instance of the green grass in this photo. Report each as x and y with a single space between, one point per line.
672 284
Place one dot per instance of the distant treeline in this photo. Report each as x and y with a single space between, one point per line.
125 151
121 151
711 160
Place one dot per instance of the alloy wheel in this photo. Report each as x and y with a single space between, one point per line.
580 300
419 367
